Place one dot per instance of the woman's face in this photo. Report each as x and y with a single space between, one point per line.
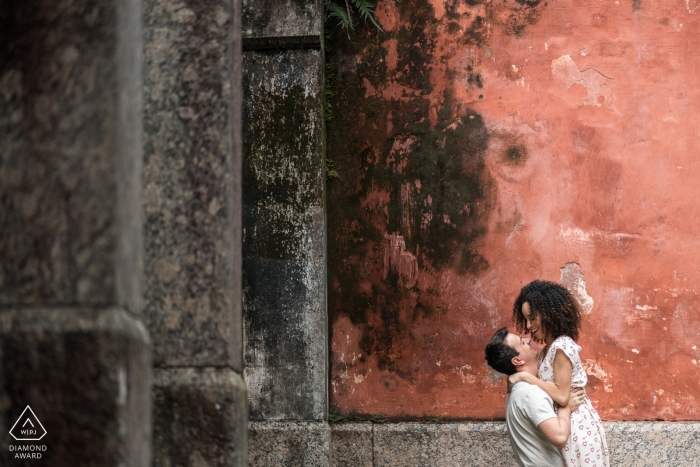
534 323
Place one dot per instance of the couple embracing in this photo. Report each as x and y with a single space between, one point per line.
550 420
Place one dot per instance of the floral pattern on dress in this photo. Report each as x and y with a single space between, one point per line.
587 446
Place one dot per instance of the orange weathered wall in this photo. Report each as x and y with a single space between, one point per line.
481 144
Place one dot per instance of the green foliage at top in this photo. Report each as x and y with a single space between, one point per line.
343 13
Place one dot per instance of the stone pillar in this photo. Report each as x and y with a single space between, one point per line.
72 346
192 72
284 247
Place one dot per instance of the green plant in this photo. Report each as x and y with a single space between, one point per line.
332 418
330 173
438 419
378 418
343 14
329 81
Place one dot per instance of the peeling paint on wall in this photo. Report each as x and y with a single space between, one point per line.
598 87
571 277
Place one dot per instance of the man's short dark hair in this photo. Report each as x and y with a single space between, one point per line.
499 355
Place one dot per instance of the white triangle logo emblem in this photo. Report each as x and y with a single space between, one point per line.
27 427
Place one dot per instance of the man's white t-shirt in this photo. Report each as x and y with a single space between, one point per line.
526 407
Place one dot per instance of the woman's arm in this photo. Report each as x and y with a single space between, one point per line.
560 390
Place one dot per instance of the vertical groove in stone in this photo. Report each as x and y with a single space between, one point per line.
236 203
129 149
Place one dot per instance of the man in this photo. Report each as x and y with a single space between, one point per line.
536 431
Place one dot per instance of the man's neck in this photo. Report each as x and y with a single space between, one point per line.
528 368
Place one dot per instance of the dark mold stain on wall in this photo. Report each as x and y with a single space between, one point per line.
412 194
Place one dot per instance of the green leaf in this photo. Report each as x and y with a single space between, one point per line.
366 10
333 10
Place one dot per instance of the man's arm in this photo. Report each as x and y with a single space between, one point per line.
557 430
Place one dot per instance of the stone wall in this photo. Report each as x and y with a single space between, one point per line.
192 206
284 248
72 344
644 444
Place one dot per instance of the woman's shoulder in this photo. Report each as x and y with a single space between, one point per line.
567 344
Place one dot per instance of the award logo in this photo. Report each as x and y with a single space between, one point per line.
28 428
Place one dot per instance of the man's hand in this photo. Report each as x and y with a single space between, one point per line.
578 395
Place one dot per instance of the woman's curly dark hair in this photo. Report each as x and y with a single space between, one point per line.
559 310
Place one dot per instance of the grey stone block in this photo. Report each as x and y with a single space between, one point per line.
191 148
284 280
351 445
70 152
289 444
653 444
200 417
268 18
86 374
639 444
449 444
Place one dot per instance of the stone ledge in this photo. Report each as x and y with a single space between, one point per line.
351 444
289 444
446 444
199 418
642 444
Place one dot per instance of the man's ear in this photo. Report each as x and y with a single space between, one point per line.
517 361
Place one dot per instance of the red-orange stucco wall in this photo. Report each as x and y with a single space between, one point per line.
481 144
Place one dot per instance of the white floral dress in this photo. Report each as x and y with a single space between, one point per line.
587 446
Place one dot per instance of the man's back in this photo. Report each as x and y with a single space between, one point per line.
526 407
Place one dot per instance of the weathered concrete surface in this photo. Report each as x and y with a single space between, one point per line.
200 417
288 18
291 443
190 190
70 153
86 374
483 144
352 444
645 444
284 281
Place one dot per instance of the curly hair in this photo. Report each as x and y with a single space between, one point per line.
558 309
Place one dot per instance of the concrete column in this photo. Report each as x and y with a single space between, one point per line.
192 70
72 346
284 247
